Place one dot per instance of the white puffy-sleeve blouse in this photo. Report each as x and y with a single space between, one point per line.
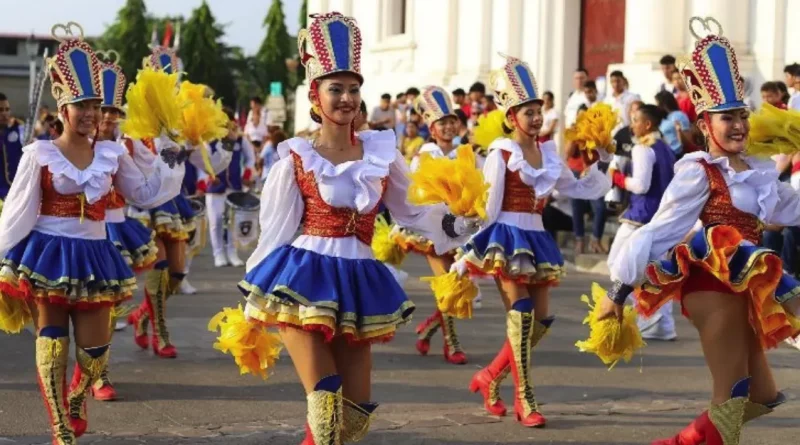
111 166
353 184
755 191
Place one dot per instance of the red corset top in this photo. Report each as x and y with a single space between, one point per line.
69 206
322 219
518 196
719 208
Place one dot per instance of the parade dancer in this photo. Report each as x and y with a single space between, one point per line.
436 108
172 222
53 241
513 246
233 179
334 185
734 292
11 135
134 241
651 171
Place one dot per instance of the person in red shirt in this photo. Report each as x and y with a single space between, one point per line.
460 100
682 95
771 94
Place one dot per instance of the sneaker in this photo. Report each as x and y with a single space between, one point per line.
657 332
793 342
120 325
233 256
477 303
187 288
221 261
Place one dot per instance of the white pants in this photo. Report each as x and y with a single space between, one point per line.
666 322
215 211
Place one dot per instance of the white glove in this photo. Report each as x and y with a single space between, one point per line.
605 156
459 267
466 226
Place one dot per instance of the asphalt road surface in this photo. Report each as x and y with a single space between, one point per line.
199 398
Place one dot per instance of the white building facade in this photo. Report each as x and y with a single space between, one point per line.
453 43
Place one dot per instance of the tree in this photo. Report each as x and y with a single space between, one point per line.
204 55
129 35
301 70
275 49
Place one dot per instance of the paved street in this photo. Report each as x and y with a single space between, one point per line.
199 398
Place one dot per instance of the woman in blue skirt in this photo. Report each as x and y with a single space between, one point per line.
324 288
514 247
55 251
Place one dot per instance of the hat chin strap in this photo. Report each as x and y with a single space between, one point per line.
707 119
519 127
315 89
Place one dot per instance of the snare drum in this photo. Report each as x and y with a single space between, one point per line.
199 236
241 218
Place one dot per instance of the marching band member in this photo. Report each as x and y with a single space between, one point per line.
193 186
334 186
233 179
513 246
734 292
436 108
53 241
652 166
172 222
11 134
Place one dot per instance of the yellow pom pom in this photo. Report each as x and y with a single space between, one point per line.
153 106
593 127
774 131
454 294
609 339
455 182
203 118
386 250
489 128
254 348
14 314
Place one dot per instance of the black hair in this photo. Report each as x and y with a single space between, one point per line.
386 96
789 68
590 84
314 116
459 92
462 116
653 113
794 70
549 93
363 107
399 95
229 112
666 101
49 119
617 73
489 97
59 126
582 70
668 59
770 86
413 91
583 107
3 97
257 100
478 87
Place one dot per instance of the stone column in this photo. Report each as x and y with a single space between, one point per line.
654 28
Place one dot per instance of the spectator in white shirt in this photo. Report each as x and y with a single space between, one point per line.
794 86
550 123
255 130
576 98
667 68
787 74
620 99
382 117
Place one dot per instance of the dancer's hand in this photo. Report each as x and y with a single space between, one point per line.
608 309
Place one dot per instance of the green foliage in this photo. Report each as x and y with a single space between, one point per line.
204 55
129 35
274 50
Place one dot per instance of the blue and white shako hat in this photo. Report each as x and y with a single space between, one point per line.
112 80
335 41
514 84
163 59
433 104
75 68
711 73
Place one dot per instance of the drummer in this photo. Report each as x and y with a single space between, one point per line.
235 178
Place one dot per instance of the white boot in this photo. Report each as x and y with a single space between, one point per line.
186 288
477 303
220 260
233 256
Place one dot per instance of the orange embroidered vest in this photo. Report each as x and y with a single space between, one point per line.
69 206
322 219
518 196
719 208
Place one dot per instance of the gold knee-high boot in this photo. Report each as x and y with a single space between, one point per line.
91 369
357 418
51 367
325 413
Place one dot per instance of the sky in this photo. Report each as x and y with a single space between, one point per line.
243 18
